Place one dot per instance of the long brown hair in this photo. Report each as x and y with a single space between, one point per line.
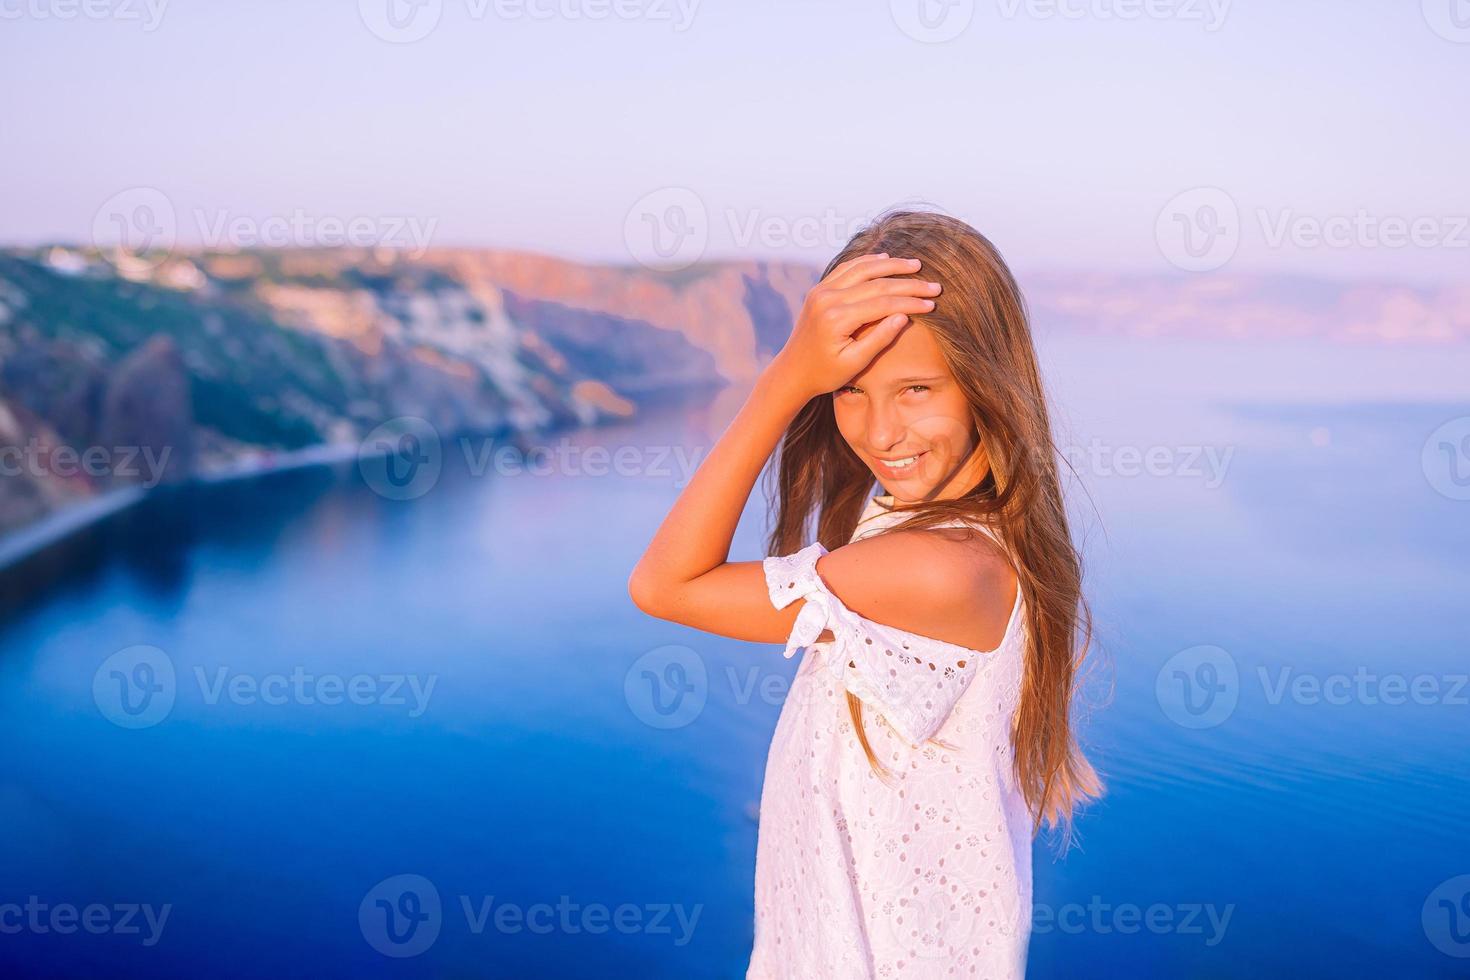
981 326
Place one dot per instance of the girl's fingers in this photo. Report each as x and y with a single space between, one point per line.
863 349
871 267
890 287
879 307
843 267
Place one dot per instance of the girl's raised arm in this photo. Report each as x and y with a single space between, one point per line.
684 575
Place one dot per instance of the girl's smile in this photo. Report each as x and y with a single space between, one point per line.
899 469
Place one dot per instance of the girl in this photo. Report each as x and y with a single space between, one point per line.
927 735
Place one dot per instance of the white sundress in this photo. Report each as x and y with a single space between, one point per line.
928 875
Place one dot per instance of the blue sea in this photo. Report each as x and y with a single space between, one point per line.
363 721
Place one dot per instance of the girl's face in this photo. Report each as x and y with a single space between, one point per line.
906 418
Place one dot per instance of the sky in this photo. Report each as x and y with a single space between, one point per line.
1315 137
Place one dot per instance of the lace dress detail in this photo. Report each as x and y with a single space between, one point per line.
927 875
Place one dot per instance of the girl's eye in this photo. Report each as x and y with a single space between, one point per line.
846 388
918 387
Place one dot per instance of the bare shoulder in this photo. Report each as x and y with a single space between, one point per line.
951 584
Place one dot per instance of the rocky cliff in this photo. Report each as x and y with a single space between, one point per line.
140 373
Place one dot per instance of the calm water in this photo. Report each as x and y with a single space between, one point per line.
254 707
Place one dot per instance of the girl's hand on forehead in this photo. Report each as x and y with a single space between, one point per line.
849 317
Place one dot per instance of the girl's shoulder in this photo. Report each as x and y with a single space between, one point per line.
948 583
